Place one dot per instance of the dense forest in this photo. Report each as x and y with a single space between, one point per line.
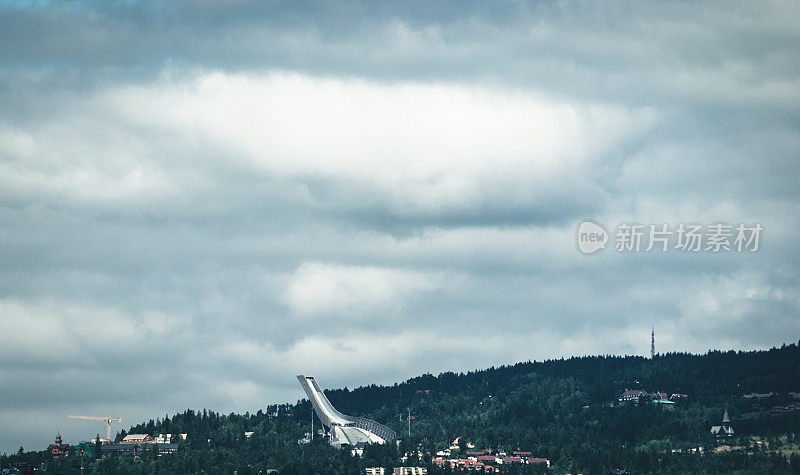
564 410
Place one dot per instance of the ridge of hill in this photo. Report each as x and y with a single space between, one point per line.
564 410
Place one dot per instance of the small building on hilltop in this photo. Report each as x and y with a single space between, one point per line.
137 439
632 395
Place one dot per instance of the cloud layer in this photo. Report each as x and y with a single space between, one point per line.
199 201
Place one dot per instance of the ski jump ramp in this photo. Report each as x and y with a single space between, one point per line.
344 429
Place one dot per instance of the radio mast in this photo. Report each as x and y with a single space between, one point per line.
652 342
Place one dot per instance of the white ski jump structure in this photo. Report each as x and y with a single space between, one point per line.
344 429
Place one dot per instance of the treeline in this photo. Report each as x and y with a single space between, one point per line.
562 410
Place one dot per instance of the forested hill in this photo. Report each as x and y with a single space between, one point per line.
558 409
564 410
710 379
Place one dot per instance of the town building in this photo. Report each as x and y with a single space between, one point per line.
167 438
358 449
638 395
86 448
632 395
488 461
664 403
410 471
137 439
539 460
759 395
58 448
136 450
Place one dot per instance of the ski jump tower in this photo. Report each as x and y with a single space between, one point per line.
344 430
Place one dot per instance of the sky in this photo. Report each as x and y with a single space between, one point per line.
200 200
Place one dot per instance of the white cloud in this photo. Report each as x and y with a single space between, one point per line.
83 156
425 146
84 334
16 143
348 292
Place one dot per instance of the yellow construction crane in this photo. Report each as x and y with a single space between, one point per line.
107 420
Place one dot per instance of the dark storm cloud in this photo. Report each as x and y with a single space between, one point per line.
719 53
208 197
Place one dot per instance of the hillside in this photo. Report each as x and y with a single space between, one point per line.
562 410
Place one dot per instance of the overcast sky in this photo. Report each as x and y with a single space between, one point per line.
200 200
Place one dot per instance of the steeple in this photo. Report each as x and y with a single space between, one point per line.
724 430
